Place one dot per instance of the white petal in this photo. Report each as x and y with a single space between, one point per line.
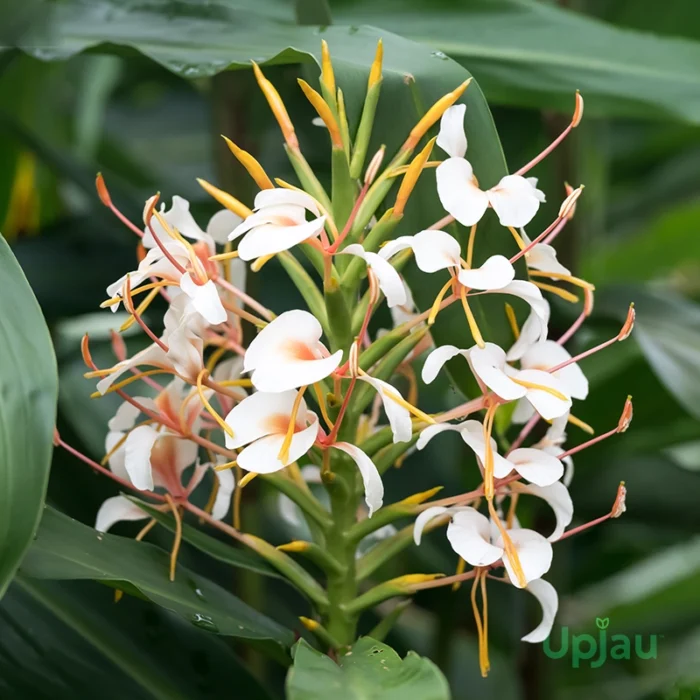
179 217
279 215
543 257
137 462
374 488
469 534
534 552
391 248
458 193
256 415
437 359
222 502
424 518
116 461
269 239
472 433
399 417
496 273
523 412
291 374
435 250
116 509
152 355
452 138
388 278
535 327
559 500
222 224
185 351
546 404
515 200
205 299
432 430
547 597
536 465
488 363
125 418
547 354
282 196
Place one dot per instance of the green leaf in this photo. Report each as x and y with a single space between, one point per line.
241 559
535 54
66 549
28 392
63 640
370 671
667 329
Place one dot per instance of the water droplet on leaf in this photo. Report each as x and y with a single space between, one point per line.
205 622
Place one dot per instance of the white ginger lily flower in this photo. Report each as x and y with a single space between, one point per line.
394 407
278 223
278 429
543 257
543 356
387 277
557 497
515 199
436 250
552 443
545 392
288 354
473 538
536 466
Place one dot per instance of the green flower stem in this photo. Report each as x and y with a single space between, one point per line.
401 586
379 348
364 130
309 181
306 286
382 517
338 315
389 454
383 627
316 554
344 189
375 442
304 500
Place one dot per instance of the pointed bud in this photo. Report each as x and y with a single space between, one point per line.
620 506
295 546
418 498
375 73
411 582
102 191
432 116
327 75
578 110
85 351
626 417
568 206
626 330
277 106
323 111
225 199
374 165
411 177
309 624
255 170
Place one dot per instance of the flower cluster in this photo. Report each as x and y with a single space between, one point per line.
299 396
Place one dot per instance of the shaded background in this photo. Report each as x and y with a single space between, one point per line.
636 236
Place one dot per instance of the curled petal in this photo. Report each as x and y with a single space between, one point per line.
543 257
388 278
435 250
282 196
545 403
125 418
534 552
222 224
469 535
116 509
536 466
432 430
424 518
399 417
222 502
488 364
496 273
137 461
269 239
152 355
535 327
547 597
548 353
559 500
177 217
452 137
374 488
459 194
396 246
437 359
205 299
515 200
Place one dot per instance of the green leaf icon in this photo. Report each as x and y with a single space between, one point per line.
602 622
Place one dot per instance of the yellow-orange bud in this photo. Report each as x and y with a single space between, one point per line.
375 73
324 111
411 177
225 199
102 191
277 106
255 170
327 75
578 110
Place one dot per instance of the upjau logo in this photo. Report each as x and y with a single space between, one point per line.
598 649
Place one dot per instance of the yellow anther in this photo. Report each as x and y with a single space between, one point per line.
418 498
473 327
375 72
580 424
512 321
327 75
247 479
323 111
227 465
322 404
257 264
178 535
470 245
140 309
561 293
518 238
277 106
224 256
283 455
565 278
129 380
255 170
432 115
435 308
225 199
411 177
540 387
409 407
200 390
295 546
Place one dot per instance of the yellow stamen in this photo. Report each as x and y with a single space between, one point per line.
236 382
409 407
518 238
580 424
562 293
323 111
488 455
484 663
100 373
375 72
418 498
435 308
477 620
277 106
244 481
224 467
221 422
511 510
473 328
327 75
566 278
178 535
509 547
461 565
402 169
184 428
322 405
470 245
257 265
512 320
129 380
224 256
410 179
214 358
134 292
212 497
432 115
139 310
283 455
540 387
255 170
225 199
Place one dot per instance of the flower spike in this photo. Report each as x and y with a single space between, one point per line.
255 170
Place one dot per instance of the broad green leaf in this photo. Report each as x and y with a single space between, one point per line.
534 53
63 640
239 558
370 671
66 549
667 329
28 390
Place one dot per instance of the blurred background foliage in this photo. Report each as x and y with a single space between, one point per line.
138 91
